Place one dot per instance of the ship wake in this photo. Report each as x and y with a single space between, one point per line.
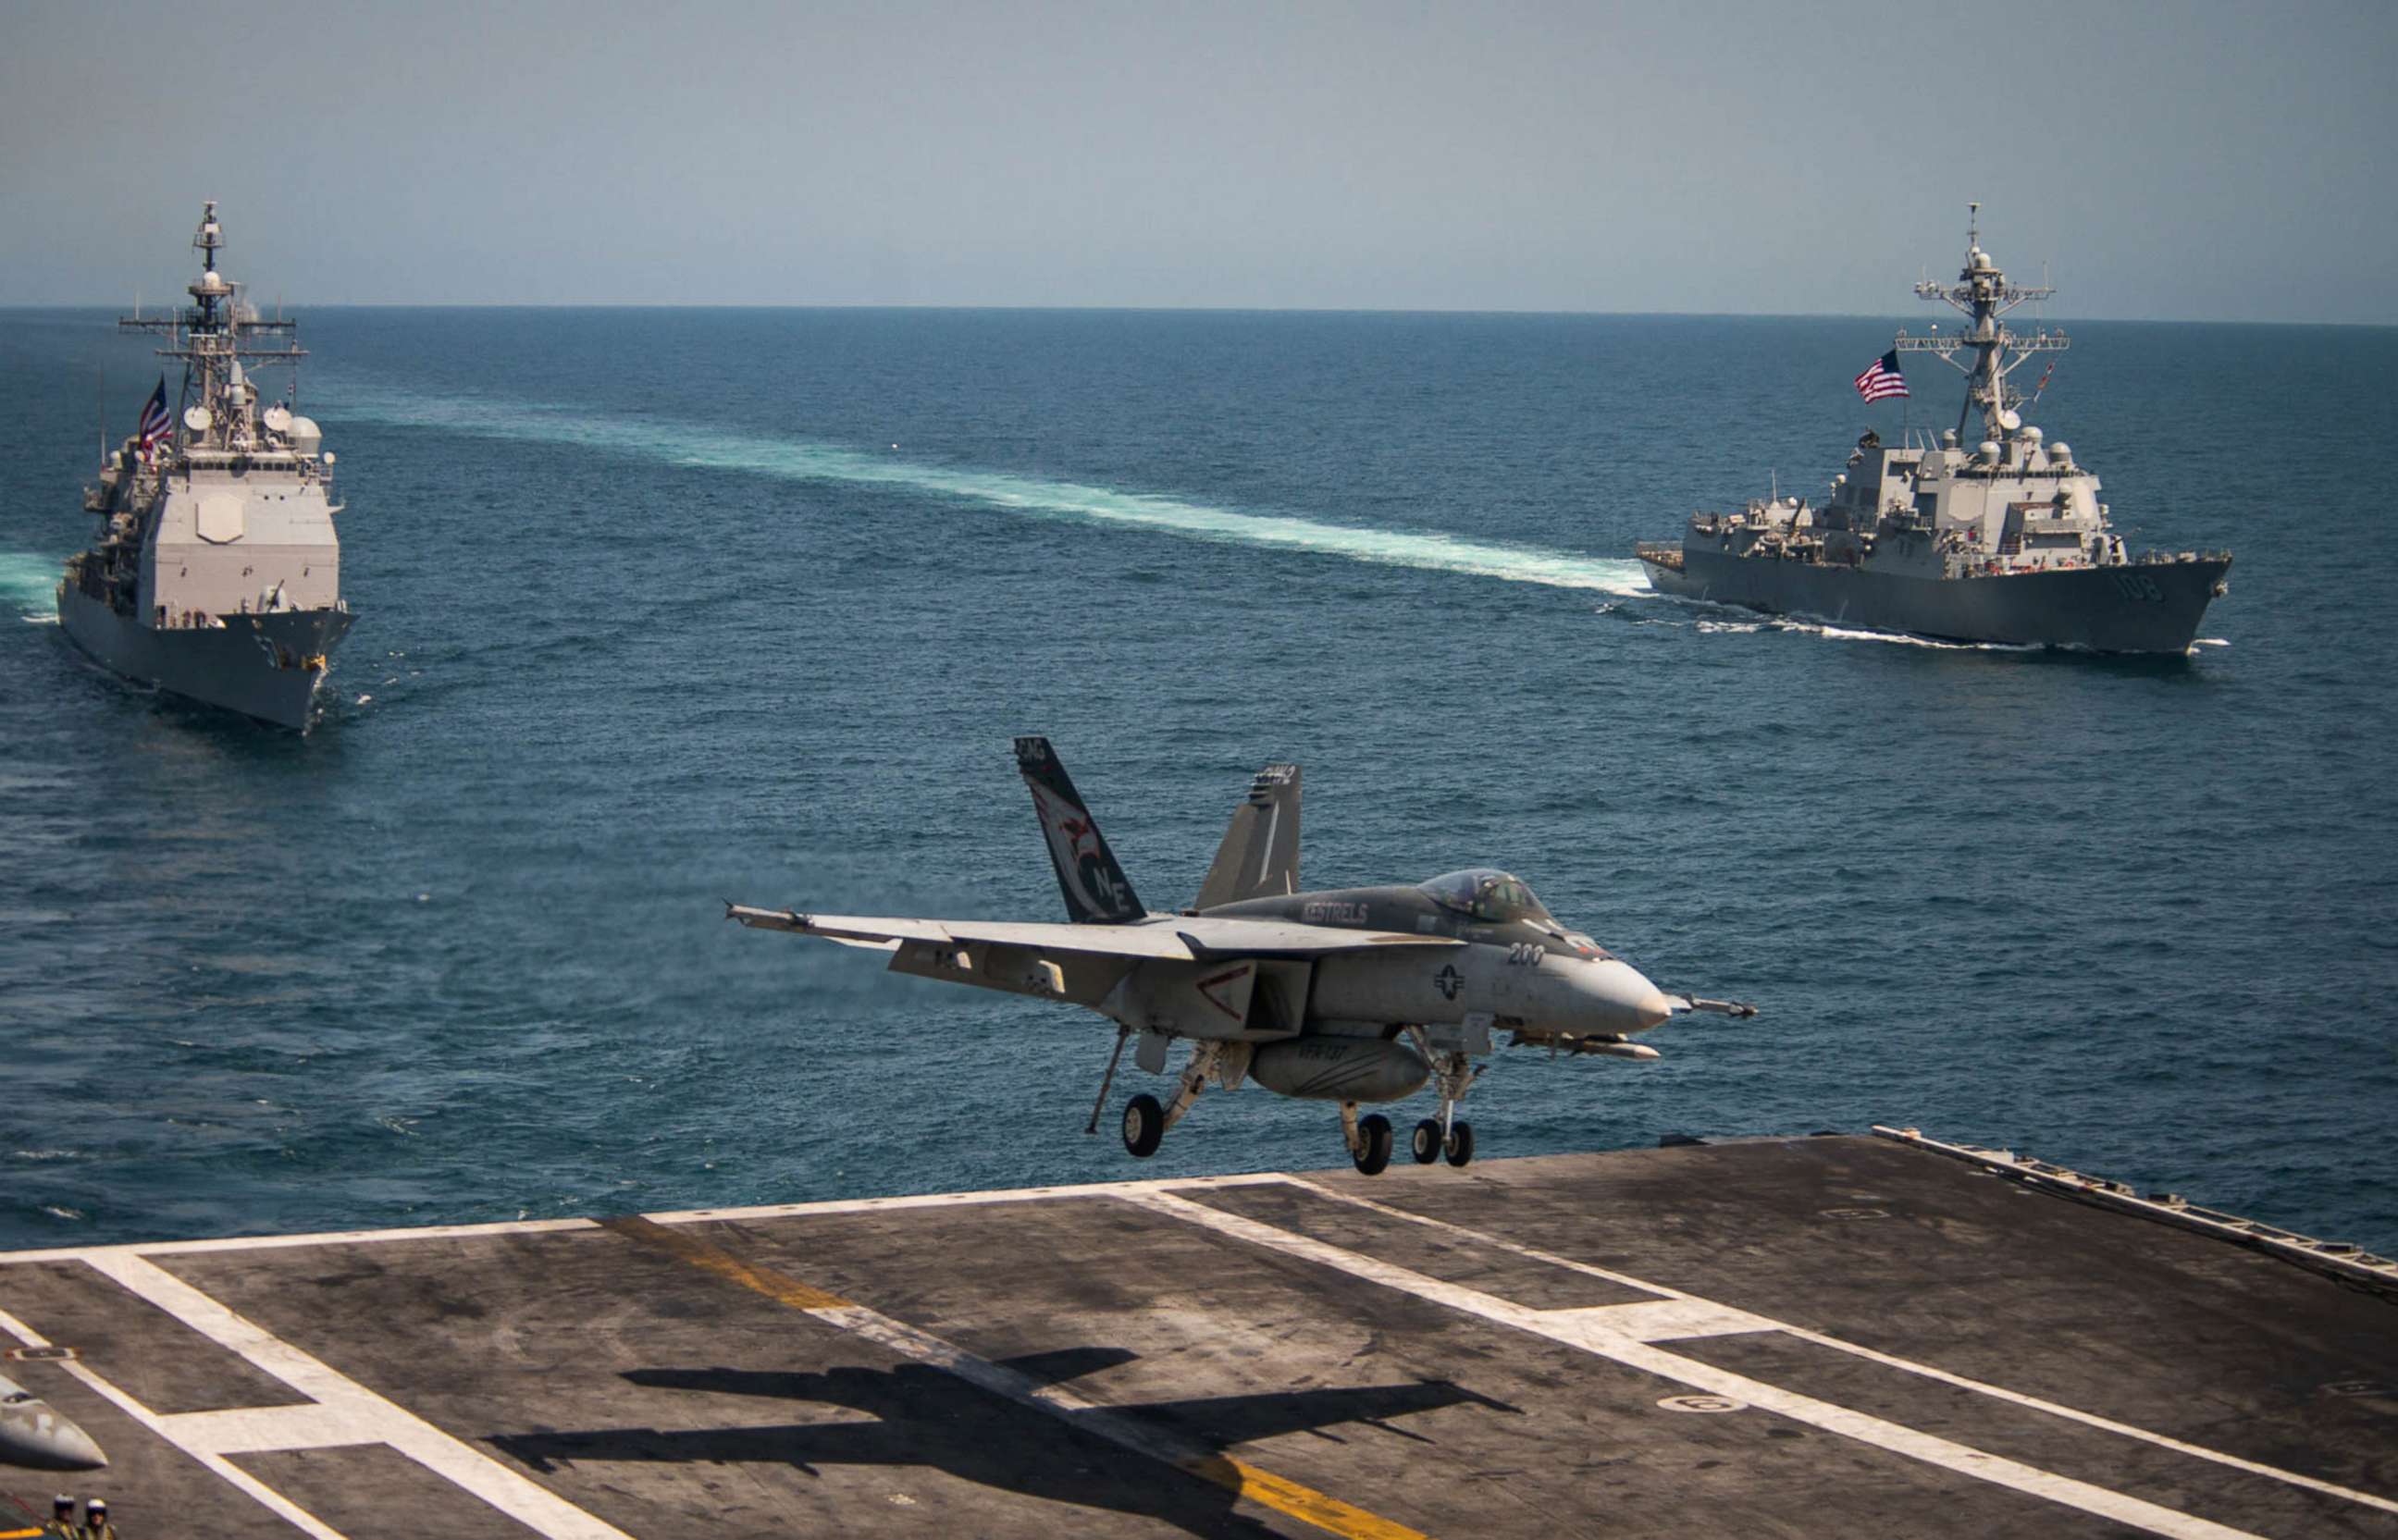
1900 639
29 585
1031 497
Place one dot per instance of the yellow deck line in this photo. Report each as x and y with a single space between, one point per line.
780 1287
1290 1498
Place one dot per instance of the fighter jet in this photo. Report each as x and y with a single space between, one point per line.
1350 995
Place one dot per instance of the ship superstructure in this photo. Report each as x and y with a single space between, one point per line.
2006 541
217 572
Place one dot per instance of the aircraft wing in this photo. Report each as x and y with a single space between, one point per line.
884 932
1219 936
1183 938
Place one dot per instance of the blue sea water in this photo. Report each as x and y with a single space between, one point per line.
659 608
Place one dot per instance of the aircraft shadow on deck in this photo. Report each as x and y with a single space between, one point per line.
928 1417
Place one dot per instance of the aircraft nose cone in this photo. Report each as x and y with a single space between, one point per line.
1627 1001
32 1434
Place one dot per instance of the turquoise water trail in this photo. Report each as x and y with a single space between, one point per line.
692 445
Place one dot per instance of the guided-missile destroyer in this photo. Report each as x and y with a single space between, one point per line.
217 574
2004 543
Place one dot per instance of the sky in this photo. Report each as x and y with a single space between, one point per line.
2198 160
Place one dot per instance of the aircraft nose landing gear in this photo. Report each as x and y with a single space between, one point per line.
1447 1135
1430 1143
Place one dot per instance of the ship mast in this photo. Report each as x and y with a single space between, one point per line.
213 338
1983 293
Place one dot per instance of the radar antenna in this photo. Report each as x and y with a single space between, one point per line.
213 337
1983 293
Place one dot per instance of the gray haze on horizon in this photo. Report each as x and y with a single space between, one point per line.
2204 161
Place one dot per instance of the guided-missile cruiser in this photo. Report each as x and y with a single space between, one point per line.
1350 995
217 574
2005 542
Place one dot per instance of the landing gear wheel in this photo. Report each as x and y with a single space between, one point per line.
1425 1146
1460 1148
1144 1125
1373 1151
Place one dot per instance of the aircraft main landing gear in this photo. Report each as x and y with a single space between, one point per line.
1368 1137
1145 1121
1144 1125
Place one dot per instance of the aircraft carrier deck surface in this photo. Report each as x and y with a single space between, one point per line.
1818 1336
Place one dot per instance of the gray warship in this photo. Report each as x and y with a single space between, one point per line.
217 573
2004 543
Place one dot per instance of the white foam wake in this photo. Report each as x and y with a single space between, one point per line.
29 584
798 460
1896 638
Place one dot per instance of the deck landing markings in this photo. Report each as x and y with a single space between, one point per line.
1630 1335
340 1413
1890 1360
1574 1328
1262 1487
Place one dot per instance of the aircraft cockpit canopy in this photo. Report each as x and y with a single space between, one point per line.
1489 895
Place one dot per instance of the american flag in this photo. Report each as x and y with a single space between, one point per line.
155 423
1882 378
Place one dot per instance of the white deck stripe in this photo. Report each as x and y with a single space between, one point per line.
1996 1392
256 1430
217 1465
352 1415
1578 1330
686 1217
271 1243
1666 1319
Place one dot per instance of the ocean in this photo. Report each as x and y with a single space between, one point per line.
662 607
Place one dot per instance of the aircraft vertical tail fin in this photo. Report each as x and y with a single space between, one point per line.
1096 891
1259 855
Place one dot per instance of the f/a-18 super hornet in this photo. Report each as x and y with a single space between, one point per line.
1350 995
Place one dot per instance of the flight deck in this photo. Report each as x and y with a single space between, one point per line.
1832 1335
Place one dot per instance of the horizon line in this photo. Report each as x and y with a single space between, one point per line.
1192 310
